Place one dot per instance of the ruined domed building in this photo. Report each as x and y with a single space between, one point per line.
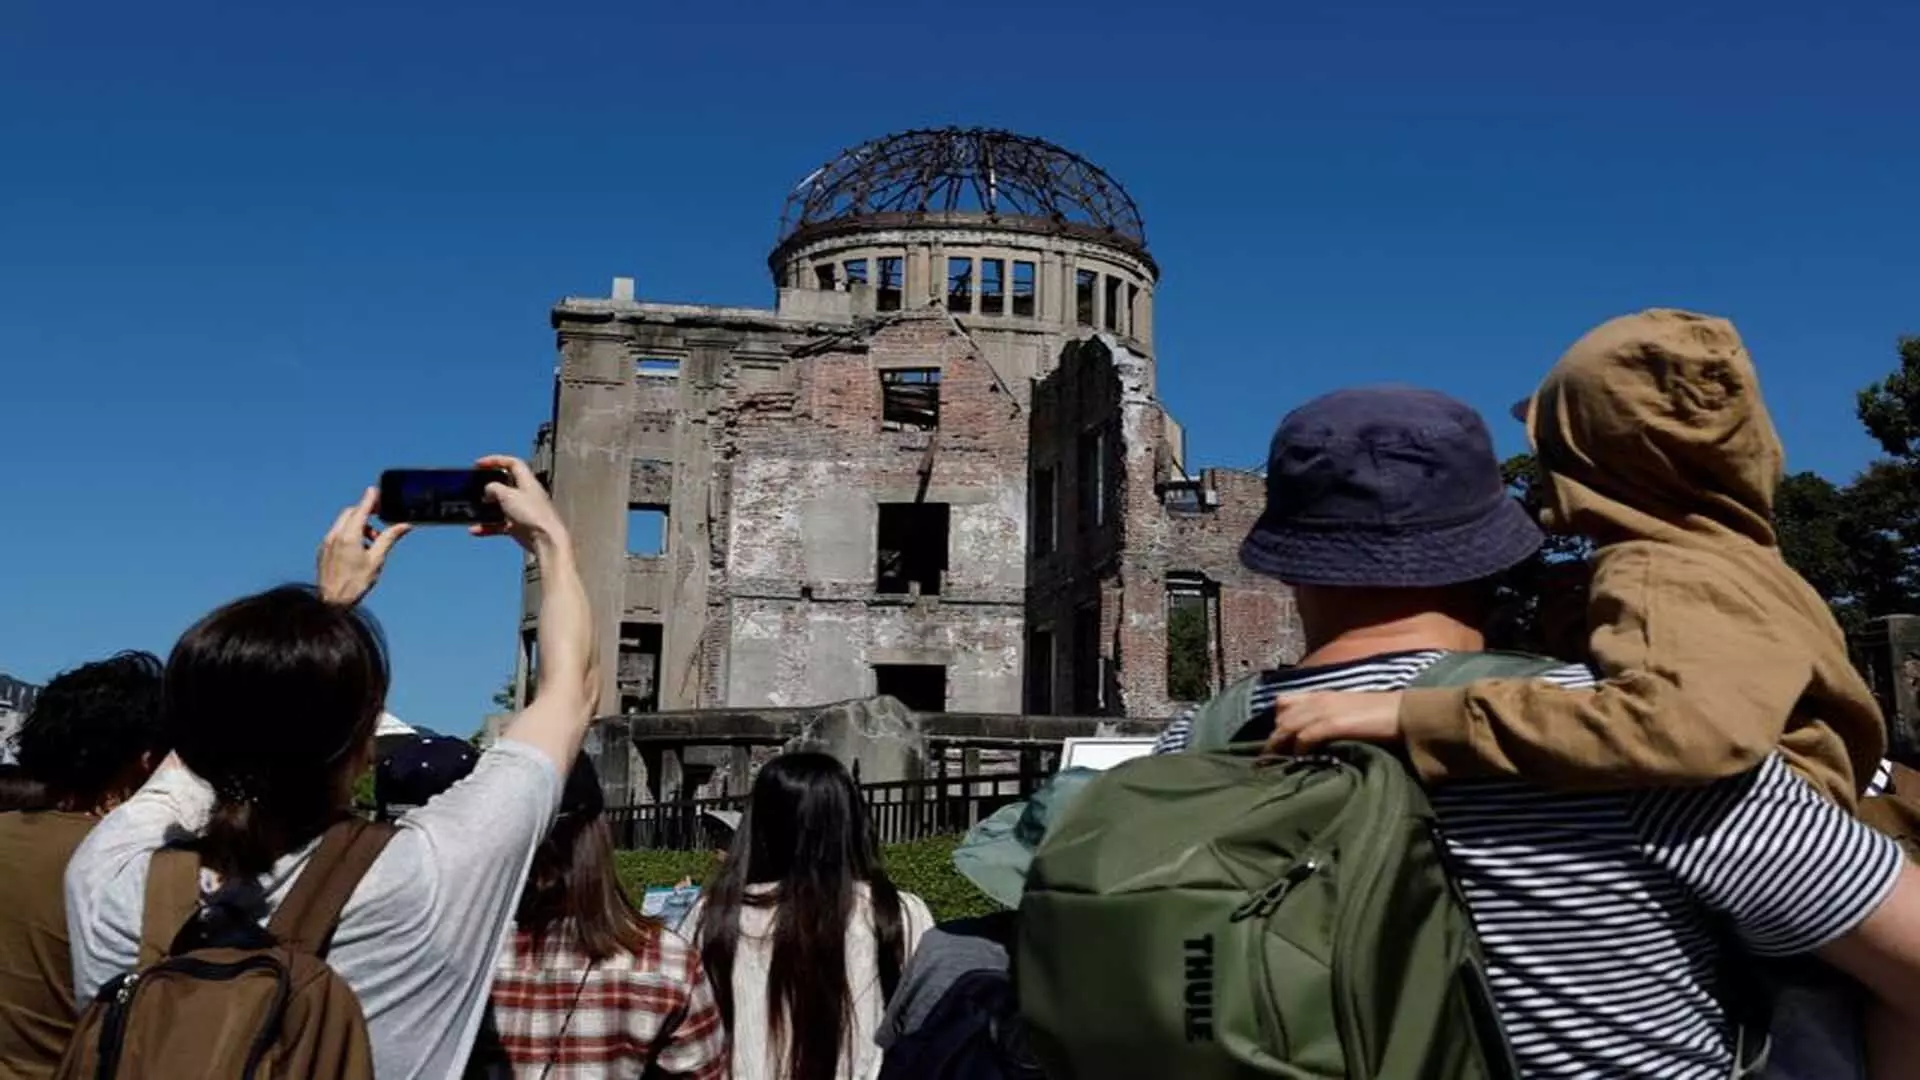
936 468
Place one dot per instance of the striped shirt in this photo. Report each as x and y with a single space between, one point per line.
1596 912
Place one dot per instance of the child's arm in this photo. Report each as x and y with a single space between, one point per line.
1695 686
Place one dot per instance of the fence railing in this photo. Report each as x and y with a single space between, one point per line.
900 810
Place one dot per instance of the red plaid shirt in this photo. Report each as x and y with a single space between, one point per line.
634 1010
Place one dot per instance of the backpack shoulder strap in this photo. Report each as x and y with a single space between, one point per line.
1214 723
173 895
1460 668
306 918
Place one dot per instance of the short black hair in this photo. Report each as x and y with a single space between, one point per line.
91 725
267 699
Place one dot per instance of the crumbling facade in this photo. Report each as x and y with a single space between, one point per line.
877 486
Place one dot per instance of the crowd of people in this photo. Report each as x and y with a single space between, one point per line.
1635 832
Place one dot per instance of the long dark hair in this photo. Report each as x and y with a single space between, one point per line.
573 879
273 700
805 832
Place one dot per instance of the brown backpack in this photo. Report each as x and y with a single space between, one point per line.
226 998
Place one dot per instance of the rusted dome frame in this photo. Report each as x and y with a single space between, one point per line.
954 174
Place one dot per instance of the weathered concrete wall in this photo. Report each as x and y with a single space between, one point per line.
808 470
1887 652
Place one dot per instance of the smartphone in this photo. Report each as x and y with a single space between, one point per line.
440 496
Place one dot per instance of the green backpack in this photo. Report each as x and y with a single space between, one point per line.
1203 915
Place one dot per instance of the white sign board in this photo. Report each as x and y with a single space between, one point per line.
1103 752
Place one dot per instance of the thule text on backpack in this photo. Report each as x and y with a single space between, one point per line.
1199 988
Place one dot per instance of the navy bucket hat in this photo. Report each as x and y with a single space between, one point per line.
1386 487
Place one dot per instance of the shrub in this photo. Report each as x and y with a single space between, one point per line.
924 868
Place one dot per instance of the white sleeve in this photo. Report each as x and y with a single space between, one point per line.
1788 868
106 880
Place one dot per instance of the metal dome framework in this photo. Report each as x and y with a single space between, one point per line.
956 175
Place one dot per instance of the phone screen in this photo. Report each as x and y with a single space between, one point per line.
439 496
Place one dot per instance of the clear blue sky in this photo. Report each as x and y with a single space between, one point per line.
251 253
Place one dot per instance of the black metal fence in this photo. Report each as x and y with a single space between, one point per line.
901 811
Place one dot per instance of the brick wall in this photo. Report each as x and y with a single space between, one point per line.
807 471
1125 567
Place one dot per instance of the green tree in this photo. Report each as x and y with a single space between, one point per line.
1809 514
1187 666
1890 408
503 697
1540 604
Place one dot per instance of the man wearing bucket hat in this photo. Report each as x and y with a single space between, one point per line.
1387 513
969 958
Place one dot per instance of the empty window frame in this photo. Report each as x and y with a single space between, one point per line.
1023 289
891 284
855 272
823 277
910 399
920 687
993 286
1084 282
638 667
1093 478
912 548
1046 512
1089 667
646 530
960 285
657 367
1112 298
1185 497
530 647
1040 673
1133 310
1189 637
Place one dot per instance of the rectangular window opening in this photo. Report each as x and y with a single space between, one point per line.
646 530
1112 315
823 277
638 678
960 285
1040 673
530 644
1093 478
910 399
993 287
912 549
1089 681
892 284
1023 291
856 272
657 367
1186 497
1084 282
1045 511
1133 310
1189 640
920 687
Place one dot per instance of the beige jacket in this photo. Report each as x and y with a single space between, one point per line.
1655 443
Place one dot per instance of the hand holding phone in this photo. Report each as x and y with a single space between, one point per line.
441 496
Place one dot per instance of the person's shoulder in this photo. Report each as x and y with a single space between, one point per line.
916 912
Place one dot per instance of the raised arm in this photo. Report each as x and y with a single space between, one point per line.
568 677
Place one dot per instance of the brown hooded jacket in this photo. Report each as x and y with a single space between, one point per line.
1655 443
